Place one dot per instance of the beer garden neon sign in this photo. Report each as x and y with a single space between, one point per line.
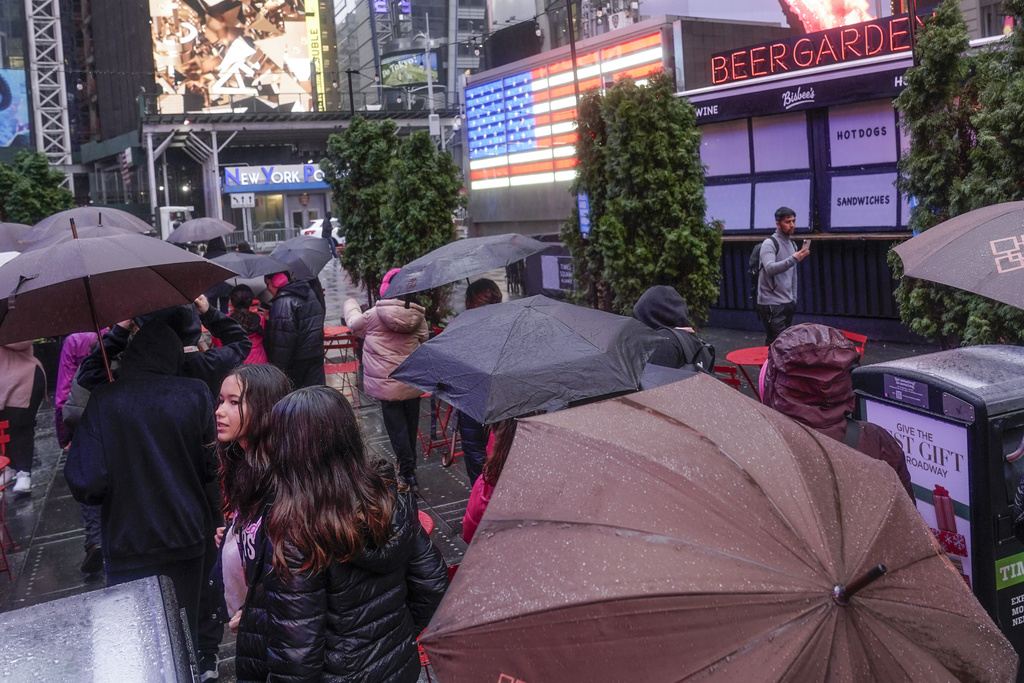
832 46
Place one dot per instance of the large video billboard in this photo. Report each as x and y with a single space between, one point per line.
229 56
522 128
14 114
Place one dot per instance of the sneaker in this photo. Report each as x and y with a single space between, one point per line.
93 561
209 668
24 482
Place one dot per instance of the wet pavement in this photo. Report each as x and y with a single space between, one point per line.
46 525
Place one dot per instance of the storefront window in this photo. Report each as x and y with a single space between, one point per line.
268 218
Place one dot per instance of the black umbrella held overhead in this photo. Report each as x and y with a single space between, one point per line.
304 255
517 357
200 230
461 259
250 265
86 284
981 252
87 215
80 232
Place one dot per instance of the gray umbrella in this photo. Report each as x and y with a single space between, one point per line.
461 259
509 359
200 230
250 265
83 216
11 235
981 251
87 232
304 255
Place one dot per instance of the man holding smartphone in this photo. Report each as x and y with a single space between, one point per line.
777 279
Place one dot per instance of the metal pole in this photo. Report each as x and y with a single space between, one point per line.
151 173
572 53
426 57
912 13
351 96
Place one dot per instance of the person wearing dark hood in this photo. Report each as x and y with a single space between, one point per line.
807 377
143 451
664 310
294 334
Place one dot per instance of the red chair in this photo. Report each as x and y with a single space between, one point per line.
443 432
859 340
348 375
727 373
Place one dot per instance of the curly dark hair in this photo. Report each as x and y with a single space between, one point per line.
482 293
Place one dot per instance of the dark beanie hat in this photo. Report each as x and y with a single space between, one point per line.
662 306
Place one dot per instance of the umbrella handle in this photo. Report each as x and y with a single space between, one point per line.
842 594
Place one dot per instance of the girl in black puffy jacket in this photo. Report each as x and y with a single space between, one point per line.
345 577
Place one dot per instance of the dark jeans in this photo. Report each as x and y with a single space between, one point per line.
186 575
307 373
21 427
91 518
775 318
474 445
401 420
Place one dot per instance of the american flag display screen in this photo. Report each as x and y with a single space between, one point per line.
522 128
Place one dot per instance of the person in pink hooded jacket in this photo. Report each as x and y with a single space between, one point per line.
22 384
392 329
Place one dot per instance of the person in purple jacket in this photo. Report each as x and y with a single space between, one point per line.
75 349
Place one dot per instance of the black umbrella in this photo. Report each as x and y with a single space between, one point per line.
461 259
86 284
250 265
11 235
86 215
304 255
509 359
200 230
981 251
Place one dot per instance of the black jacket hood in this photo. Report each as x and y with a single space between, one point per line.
184 320
662 306
156 349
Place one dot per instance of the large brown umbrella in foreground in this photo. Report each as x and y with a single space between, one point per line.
981 251
688 532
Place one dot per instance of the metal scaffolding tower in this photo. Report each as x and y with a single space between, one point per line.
49 92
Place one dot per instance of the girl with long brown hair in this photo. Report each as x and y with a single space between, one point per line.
348 576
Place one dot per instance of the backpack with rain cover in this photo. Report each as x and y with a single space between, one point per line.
754 265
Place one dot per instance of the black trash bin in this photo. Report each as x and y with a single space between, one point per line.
130 632
959 415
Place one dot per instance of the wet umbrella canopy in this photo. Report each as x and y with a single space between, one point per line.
87 215
11 235
461 259
250 265
200 230
513 358
47 292
981 251
689 532
304 255
86 232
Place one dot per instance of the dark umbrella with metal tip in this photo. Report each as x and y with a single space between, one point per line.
304 255
981 251
462 259
86 215
86 284
200 230
529 354
689 533
250 265
87 232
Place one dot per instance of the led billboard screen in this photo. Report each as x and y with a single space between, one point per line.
522 128
229 56
14 115
408 69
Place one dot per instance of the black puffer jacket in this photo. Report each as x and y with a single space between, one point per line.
294 333
357 621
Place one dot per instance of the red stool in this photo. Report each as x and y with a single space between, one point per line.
5 533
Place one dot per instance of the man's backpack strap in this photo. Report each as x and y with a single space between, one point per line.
852 432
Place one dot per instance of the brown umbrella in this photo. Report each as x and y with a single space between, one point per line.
86 284
981 251
688 532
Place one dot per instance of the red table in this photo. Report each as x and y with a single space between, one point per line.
755 355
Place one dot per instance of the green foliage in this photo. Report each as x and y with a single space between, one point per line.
395 201
30 189
639 161
964 114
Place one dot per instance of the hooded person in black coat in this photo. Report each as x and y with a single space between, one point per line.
143 452
294 334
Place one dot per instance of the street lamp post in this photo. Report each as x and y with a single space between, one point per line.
351 96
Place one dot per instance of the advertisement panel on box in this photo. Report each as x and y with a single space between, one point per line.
938 460
522 128
234 57
14 114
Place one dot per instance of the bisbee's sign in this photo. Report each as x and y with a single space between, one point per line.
832 46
